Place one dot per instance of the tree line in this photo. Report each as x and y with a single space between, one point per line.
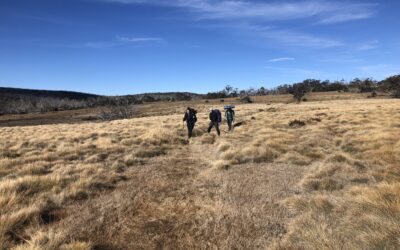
298 90
19 101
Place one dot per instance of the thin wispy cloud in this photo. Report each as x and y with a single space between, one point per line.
349 12
369 45
325 12
280 59
122 41
345 17
138 39
246 15
301 40
285 37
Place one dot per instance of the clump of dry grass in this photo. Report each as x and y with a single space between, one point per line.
297 123
250 154
52 241
208 138
222 164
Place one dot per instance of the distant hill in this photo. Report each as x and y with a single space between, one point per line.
12 93
22 101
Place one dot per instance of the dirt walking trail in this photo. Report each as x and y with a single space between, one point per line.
179 201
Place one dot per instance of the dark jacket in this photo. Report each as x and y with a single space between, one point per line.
190 117
215 116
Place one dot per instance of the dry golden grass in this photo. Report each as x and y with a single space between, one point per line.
332 182
46 168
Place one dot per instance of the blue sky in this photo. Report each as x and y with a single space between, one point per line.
131 46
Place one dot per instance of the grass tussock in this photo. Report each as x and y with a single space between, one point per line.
52 241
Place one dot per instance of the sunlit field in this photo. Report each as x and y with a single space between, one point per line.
314 175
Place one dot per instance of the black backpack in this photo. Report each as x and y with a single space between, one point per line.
192 116
218 115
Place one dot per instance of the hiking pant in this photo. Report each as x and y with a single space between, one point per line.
212 124
229 124
190 126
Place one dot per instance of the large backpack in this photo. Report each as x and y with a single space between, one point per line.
218 115
230 113
192 116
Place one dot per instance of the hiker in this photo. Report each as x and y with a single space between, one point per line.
230 116
215 119
190 119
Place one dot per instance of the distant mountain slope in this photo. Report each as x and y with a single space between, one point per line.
23 101
15 93
12 93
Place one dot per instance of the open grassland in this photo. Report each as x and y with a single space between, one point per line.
162 108
315 175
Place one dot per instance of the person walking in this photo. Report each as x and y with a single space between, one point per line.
215 119
230 116
190 118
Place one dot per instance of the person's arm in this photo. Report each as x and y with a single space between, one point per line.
185 117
